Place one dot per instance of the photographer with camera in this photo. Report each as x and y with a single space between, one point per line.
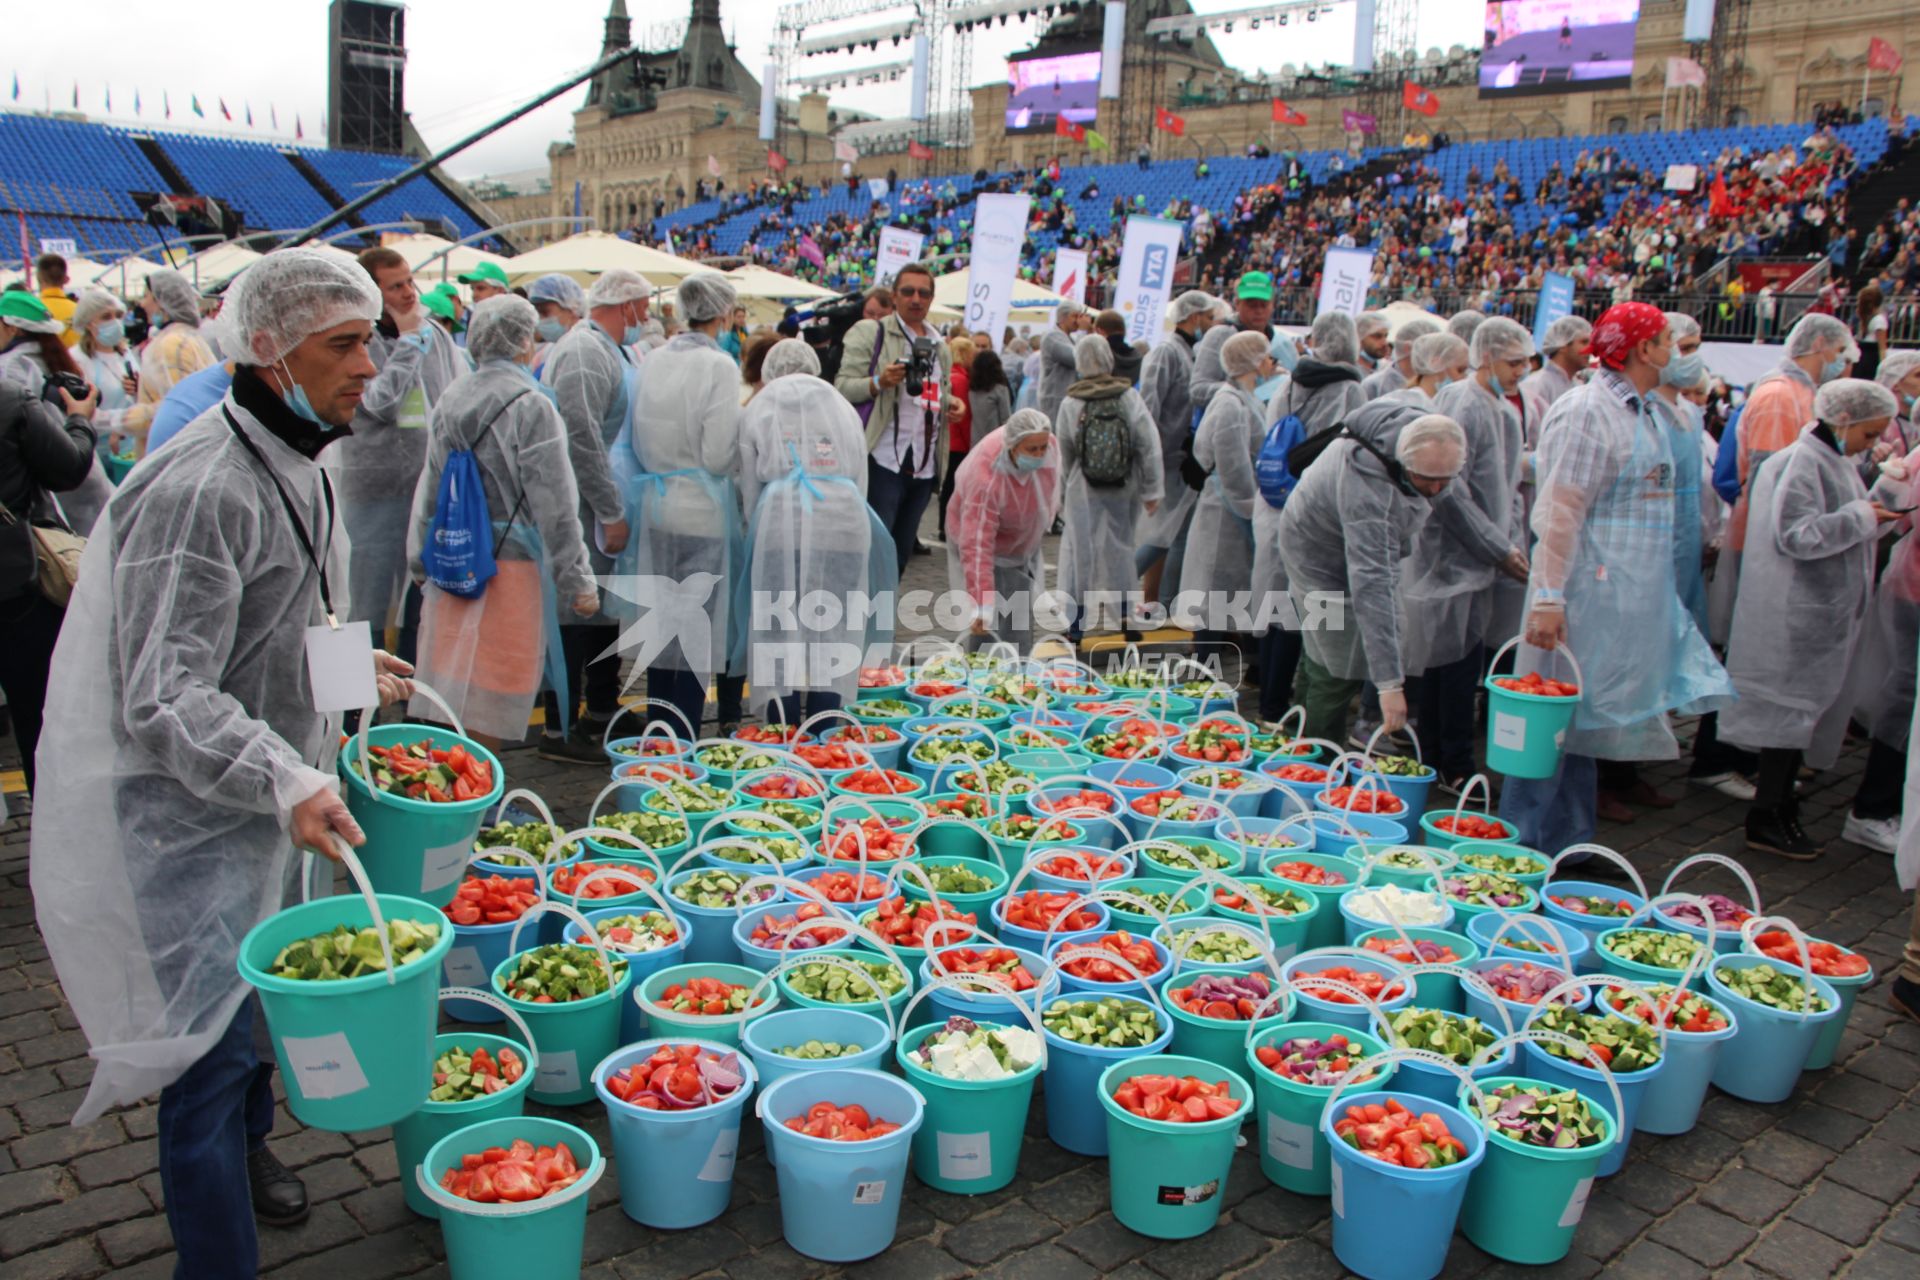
895 372
34 358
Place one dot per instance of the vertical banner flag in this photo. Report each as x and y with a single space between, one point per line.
1358 122
1697 26
917 104
919 151
1682 72
1344 281
1148 256
769 105
898 247
1070 274
713 165
1556 300
1363 35
576 198
846 151
999 234
877 187
1113 48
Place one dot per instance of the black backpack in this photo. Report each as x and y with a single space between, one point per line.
1106 442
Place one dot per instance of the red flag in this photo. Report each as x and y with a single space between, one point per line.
1414 98
1068 129
919 151
776 161
224 113
1719 204
1882 56
1165 120
1284 114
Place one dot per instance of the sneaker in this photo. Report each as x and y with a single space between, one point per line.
1727 784
1879 834
1781 834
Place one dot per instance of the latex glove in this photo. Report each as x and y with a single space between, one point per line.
321 819
613 537
1547 627
1393 710
587 603
390 677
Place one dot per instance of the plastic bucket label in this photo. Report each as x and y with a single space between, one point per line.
1289 1141
324 1066
559 1072
870 1192
1509 731
1576 1203
440 867
1189 1195
965 1156
463 967
719 1165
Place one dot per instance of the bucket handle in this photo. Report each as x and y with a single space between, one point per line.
1081 782
505 1208
836 913
1701 952
1083 858
1094 895
1086 951
1221 882
1424 1057
1362 776
1435 865
1566 650
839 960
857 747
781 827
798 766
628 708
495 1003
1486 797
539 805
607 873
539 869
420 689
640 846
1380 732
562 909
1121 894
1230 928
1280 725
967 983
1600 981
1601 851
944 925
691 858
1806 1009
1719 859
1541 1035
1545 931
351 861
1219 811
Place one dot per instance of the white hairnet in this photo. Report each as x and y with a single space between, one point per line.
1464 323
561 290
1896 366
619 285
707 295
292 294
1567 331
1814 331
1411 332
1435 353
93 304
1370 323
1433 445
501 328
1845 401
789 355
1192 303
1067 308
1243 352
1026 422
1333 339
1683 325
1498 338
179 299
1091 355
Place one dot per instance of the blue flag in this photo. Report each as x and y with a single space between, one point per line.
1556 300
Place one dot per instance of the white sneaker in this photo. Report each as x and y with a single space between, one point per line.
1727 784
1880 834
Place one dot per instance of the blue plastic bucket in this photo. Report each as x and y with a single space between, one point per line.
1848 989
787 1028
1538 1064
1770 1046
1244 800
1327 928
1097 860
712 940
1131 777
1352 1017
676 1167
970 1141
1412 790
1392 1223
415 1135
533 1240
1252 832
721 1029
1014 935
1430 832
1671 1104
476 952
1575 947
1221 1041
1274 804
1075 1118
763 958
952 839
1529 866
1158 861
1167 1180
1431 1081
1481 1005
945 1002
840 1201
637 776
415 848
1096 829
1123 915
1430 990
1141 826
1344 833
1293 1151
1590 925
981 902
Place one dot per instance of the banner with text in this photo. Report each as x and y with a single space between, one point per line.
769 101
1556 300
1148 257
1344 281
898 247
999 234
1070 274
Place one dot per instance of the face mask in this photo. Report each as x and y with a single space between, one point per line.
550 330
111 334
1028 462
631 336
297 399
1833 368
1684 371
1494 385
1285 352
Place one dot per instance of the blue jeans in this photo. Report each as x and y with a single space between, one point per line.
899 500
687 693
210 1119
1552 813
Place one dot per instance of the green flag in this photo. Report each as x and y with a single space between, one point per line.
1095 141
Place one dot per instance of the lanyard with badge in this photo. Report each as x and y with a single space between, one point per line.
339 656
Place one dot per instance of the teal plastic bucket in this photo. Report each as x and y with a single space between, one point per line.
721 1029
983 1005
571 1037
970 1141
1050 764
1770 1046
1293 1151
1529 866
416 848
1573 946
1431 833
1327 927
766 958
357 1053
1113 869
712 940
1429 1080
949 839
1638 970
1349 1017
1221 1041
533 1240
840 1201
1538 1064
1287 931
1037 939
1243 799
1166 1180
1525 1202
676 1167
893 1004
1412 789
1131 777
1066 799
1167 864
1465 909
1078 988
666 803
1481 1005
1392 1223
1525 731
1054 833
902 786
1260 836
415 1135
981 902
1075 1120
1430 990
1848 989
1276 804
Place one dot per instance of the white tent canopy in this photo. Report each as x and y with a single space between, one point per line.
588 253
454 259
1032 305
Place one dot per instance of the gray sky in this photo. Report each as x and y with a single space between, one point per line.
472 60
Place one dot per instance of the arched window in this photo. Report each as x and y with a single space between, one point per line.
1617 124
1739 118
1651 123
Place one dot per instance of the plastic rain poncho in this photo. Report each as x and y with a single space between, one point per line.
675 464
1806 582
486 655
1220 540
996 523
1447 585
1884 670
180 734
594 382
1685 425
1102 525
82 506
1166 385
1538 391
1604 522
1057 372
803 479
1384 380
375 468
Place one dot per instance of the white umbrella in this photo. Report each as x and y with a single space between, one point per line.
588 253
1032 305
453 260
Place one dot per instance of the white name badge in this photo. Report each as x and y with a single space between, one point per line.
340 667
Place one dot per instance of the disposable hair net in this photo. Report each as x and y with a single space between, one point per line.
1333 339
1411 332
789 355
1091 355
1896 366
1815 331
1192 303
1436 353
1433 445
292 294
1499 338
1567 331
617 286
1683 325
1243 353
1370 323
178 298
561 290
1845 401
1027 422
1463 324
501 328
1067 309
93 304
706 295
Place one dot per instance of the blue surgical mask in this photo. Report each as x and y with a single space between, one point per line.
297 400
631 336
1029 462
1285 352
1494 385
1833 368
550 330
1684 371
110 334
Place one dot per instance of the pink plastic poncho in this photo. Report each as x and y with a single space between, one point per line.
999 513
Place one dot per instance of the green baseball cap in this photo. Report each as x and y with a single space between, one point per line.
22 310
1256 285
486 272
438 303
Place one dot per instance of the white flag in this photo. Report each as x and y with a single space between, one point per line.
999 234
1148 256
1682 72
1070 274
845 151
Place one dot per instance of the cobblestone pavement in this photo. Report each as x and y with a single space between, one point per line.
1820 1185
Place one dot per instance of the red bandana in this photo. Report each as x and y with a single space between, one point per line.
1623 327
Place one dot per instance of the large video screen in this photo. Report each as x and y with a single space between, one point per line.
1557 46
1041 89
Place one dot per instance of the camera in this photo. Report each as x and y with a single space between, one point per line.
920 366
73 384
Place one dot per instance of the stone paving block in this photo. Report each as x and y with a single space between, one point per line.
1840 1212
1903 1227
303 1147
914 1260
121 1163
1749 1196
1883 1262
1047 1262
74 1260
327 1226
1610 1224
1857 1095
1831 1128
371 1258
986 1239
1880 1169
1572 1267
1649 1260
126 1243
1698 1155
1737 1119
776 1261
1705 1235
332 1179
1787 1158
1105 1243
29 1189
380 1162
1647 1186
1794 1252
1229 1246
38 1228
1074 1197
378 1209
1892 1067
58 1047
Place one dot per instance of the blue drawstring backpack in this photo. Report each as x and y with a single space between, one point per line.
460 548
1271 470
